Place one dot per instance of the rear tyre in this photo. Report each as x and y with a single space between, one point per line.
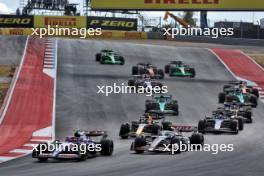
234 127
161 73
221 97
240 123
167 69
107 147
35 153
248 115
98 57
201 126
197 138
122 60
255 92
124 131
254 100
134 70
176 109
131 82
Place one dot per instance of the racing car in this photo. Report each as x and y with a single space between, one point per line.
237 95
144 82
162 104
148 124
243 86
235 109
109 57
166 141
218 123
73 147
179 68
149 69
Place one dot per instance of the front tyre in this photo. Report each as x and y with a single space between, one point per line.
98 57
221 97
138 143
201 126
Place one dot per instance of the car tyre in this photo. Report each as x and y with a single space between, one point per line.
107 147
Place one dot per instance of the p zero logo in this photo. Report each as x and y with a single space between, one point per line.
105 23
61 22
16 21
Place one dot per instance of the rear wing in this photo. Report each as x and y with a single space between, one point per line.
235 82
95 133
166 96
137 76
153 115
184 128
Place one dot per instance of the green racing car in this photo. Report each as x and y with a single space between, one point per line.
109 57
162 104
178 68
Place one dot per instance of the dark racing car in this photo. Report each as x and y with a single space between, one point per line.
220 123
237 95
243 86
145 83
109 57
149 69
166 141
79 147
179 68
148 124
235 109
162 104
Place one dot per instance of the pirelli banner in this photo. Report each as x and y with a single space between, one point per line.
248 5
15 21
60 21
108 23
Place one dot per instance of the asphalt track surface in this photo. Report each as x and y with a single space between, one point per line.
11 49
80 107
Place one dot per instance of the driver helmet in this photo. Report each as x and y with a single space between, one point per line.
162 98
146 77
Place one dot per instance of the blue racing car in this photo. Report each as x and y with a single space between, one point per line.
79 147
